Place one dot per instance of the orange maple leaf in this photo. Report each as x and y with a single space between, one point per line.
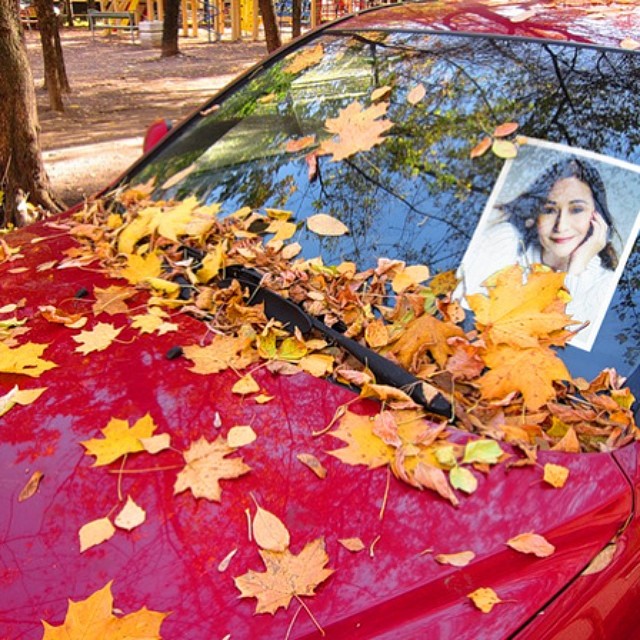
207 464
93 619
357 129
112 299
222 353
287 576
521 314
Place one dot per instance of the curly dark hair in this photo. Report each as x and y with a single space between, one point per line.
522 211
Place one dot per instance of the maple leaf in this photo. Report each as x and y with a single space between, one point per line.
207 464
517 314
286 576
357 129
24 359
97 339
305 59
530 371
93 619
154 321
112 299
139 269
119 440
23 397
222 353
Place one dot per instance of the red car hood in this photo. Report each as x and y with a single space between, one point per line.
393 588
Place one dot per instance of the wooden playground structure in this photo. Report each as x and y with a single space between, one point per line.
237 19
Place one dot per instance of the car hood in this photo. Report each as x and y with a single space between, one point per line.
392 588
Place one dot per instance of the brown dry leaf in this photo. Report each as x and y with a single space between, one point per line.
130 516
568 443
505 129
416 94
24 359
305 59
240 436
97 339
376 334
601 561
532 543
460 559
269 531
317 364
313 463
555 474
481 148
31 487
323 224
409 277
95 532
222 353
119 440
356 129
112 299
207 464
58 316
484 598
352 544
435 479
286 576
93 619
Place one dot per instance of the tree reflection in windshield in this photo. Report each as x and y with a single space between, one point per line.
418 195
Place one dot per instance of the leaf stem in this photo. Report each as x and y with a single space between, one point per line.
293 619
386 494
147 470
313 619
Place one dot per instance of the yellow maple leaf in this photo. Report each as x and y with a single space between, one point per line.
174 220
286 576
355 129
140 227
97 339
23 397
119 440
222 353
24 359
207 464
153 323
484 598
139 269
93 619
521 315
530 371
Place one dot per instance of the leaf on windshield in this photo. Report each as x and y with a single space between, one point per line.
504 149
206 465
119 439
93 619
532 543
380 93
97 339
287 576
305 59
409 277
416 94
355 129
24 359
298 144
326 225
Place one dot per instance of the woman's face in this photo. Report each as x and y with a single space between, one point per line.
565 220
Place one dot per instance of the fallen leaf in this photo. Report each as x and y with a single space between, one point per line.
555 474
416 94
484 598
352 544
31 487
531 543
568 443
355 129
313 463
245 385
304 59
505 129
240 436
463 479
460 559
601 561
58 316
269 531
156 444
24 359
504 148
119 440
481 148
93 619
434 478
293 146
112 299
22 397
222 353
286 576
95 532
326 225
380 92
97 339
483 451
207 464
131 515
226 561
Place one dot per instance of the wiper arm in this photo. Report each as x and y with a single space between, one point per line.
293 316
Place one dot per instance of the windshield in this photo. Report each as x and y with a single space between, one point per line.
416 191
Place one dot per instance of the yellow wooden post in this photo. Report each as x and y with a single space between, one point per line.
314 12
256 21
236 28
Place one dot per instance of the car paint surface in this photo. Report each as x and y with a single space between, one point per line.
393 588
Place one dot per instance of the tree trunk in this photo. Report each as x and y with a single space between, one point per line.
55 74
21 165
296 18
170 29
68 12
271 33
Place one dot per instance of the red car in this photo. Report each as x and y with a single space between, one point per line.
351 352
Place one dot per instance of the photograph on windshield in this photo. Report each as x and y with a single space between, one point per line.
568 209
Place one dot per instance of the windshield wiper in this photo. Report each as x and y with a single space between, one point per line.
292 316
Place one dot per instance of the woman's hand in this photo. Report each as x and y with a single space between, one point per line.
592 245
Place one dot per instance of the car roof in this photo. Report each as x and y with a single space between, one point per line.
603 24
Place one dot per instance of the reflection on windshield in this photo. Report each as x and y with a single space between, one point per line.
417 196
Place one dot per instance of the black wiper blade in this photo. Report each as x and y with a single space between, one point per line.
293 316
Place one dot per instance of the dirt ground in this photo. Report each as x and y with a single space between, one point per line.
118 89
